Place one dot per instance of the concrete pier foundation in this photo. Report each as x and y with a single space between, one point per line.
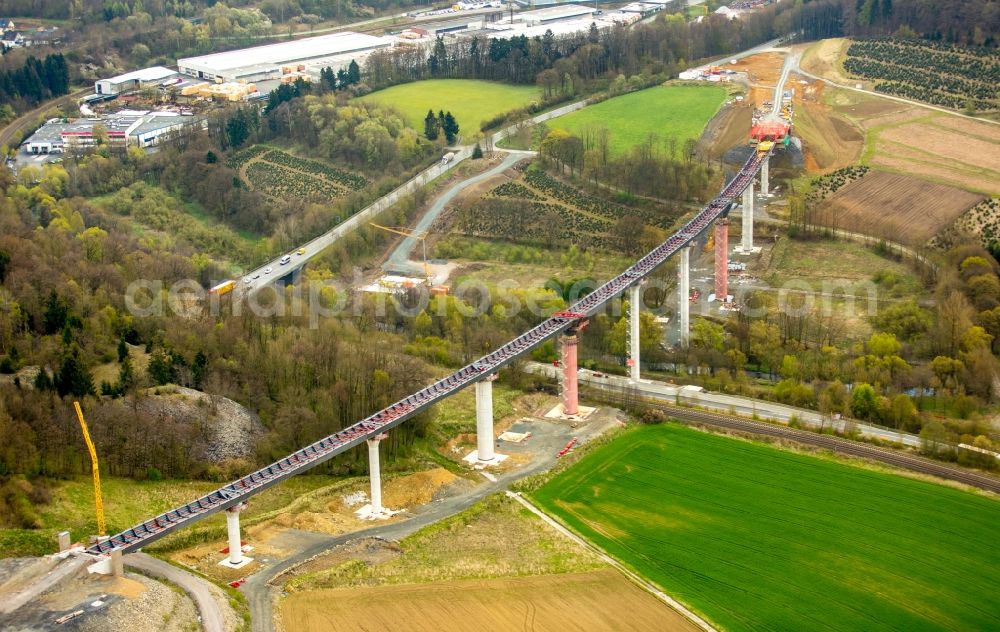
571 403
684 295
746 243
764 176
236 559
484 419
634 305
722 259
375 474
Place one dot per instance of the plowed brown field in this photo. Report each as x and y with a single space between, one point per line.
596 600
896 207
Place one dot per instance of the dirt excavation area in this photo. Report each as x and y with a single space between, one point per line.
328 511
595 600
133 602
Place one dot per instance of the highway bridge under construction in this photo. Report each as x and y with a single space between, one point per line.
232 497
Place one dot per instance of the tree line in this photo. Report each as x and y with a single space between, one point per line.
34 81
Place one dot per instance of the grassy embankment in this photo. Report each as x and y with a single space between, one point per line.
678 112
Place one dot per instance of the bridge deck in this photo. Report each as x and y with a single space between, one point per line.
312 455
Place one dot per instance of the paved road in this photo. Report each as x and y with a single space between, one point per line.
253 281
399 260
256 279
59 569
745 406
200 591
547 438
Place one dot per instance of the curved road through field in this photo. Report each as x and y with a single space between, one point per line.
399 260
200 590
261 589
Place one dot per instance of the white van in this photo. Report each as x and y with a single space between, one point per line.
285 259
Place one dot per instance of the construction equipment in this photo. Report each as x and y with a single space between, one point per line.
405 232
98 503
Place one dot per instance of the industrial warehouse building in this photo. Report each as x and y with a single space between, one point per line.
542 17
271 61
127 128
132 81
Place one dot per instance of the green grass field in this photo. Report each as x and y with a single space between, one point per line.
470 102
679 112
126 502
753 537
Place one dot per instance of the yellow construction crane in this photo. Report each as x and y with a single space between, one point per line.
409 233
98 503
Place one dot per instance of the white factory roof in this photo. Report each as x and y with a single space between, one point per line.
555 13
295 50
145 74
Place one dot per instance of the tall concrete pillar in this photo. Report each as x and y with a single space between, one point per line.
375 473
634 305
721 259
233 530
747 237
684 295
484 419
764 169
571 404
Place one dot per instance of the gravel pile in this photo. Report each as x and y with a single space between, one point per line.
158 609
232 429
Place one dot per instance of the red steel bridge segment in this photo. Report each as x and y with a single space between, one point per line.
312 455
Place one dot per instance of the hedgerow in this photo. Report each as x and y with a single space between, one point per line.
343 178
939 74
277 181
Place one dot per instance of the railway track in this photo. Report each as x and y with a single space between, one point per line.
888 456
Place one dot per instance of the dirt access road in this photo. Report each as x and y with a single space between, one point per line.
207 597
548 437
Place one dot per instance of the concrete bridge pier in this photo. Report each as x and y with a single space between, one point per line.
764 169
746 243
236 558
684 296
484 420
570 394
375 475
722 260
634 305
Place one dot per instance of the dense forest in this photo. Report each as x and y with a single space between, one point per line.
35 81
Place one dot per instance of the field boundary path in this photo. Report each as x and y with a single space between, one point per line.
635 578
199 590
937 108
